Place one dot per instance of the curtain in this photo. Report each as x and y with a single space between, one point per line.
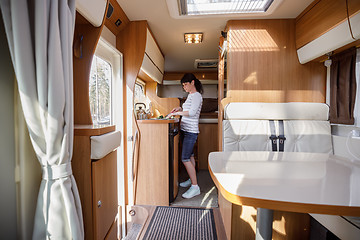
343 87
40 36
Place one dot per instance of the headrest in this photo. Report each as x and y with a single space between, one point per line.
277 111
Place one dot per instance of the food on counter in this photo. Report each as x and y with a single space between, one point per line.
160 117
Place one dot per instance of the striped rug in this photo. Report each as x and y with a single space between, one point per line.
181 223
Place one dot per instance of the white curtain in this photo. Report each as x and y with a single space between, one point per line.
40 36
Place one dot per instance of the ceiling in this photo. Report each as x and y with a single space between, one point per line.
169 32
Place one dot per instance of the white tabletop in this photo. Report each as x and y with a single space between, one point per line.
290 181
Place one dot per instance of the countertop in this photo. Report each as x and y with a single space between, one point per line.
158 121
92 130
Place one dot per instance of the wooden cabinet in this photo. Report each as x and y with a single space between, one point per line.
154 172
97 184
104 194
326 14
207 142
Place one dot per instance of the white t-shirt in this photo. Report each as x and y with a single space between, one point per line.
192 104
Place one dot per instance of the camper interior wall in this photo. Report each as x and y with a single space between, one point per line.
166 91
345 144
8 217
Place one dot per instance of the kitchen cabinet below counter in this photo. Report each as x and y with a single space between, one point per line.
207 141
96 180
158 121
157 164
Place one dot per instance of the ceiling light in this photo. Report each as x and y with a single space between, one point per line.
193 37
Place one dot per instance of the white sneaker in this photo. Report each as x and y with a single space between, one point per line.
192 192
187 183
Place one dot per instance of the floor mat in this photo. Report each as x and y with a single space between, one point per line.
181 223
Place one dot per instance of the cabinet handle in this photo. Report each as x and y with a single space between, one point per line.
99 204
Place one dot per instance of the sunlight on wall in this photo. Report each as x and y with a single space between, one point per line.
251 40
251 79
280 226
249 215
257 95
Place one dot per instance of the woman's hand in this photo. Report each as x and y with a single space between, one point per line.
172 114
177 109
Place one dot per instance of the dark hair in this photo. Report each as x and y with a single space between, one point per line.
188 77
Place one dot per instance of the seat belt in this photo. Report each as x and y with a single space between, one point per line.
273 136
281 136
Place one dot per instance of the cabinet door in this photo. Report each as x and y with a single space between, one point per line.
176 165
105 203
207 142
112 234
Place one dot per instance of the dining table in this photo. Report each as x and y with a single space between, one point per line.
287 181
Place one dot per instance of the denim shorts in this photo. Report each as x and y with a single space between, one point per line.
188 140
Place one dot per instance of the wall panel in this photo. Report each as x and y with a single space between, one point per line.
262 64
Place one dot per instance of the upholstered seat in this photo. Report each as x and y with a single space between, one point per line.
246 127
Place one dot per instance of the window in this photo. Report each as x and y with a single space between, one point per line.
100 91
139 93
206 7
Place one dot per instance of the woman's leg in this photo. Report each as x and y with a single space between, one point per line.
192 159
188 160
190 168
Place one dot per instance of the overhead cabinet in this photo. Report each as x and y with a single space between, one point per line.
325 26
153 62
141 53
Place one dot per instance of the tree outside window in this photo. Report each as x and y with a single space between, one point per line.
100 91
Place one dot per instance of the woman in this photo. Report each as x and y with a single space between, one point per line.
189 127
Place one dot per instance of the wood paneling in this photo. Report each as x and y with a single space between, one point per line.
82 170
92 130
207 142
225 208
199 75
221 89
81 166
86 37
262 64
118 13
243 222
153 165
176 166
113 232
163 105
131 42
322 16
104 182
240 222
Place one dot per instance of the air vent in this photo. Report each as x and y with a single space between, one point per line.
206 63
109 11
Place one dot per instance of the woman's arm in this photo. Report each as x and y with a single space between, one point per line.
180 113
177 109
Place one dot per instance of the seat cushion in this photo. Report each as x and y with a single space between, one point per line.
254 135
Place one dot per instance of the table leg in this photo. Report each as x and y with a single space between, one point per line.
264 221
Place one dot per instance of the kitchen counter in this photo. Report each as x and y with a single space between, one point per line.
158 121
92 130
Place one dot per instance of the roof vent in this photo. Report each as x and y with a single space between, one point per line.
206 63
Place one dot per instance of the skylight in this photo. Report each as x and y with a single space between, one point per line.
208 7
